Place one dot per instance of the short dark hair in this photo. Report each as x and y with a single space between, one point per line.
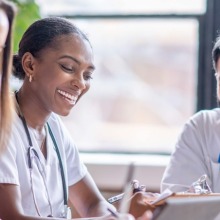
216 52
40 35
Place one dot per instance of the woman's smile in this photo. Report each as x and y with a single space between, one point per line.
71 99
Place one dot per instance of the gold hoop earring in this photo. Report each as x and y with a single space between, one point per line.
30 78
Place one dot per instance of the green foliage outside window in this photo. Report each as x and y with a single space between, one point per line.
28 12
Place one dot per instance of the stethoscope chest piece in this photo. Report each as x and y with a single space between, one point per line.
67 214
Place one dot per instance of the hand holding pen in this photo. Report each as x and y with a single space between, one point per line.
136 188
138 199
133 199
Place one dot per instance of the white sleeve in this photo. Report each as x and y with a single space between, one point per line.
187 161
76 169
8 163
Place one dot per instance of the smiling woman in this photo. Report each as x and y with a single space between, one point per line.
55 71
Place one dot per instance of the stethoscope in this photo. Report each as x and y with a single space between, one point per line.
32 154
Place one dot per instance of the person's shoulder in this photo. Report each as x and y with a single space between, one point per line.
212 113
16 121
17 134
206 116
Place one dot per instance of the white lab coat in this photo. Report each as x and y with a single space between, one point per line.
196 153
14 167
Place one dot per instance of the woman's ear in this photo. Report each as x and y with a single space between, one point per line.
28 63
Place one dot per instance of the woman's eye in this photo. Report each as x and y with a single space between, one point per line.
68 69
88 77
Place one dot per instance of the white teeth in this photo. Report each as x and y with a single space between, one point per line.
68 96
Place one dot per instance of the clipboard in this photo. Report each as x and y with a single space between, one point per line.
189 208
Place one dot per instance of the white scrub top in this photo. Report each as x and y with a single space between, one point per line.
14 168
197 152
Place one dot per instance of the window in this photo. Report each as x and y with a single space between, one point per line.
144 87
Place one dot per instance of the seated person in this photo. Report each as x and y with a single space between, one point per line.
197 151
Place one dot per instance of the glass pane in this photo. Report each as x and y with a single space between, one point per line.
121 6
144 86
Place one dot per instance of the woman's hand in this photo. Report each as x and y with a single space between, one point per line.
140 204
146 216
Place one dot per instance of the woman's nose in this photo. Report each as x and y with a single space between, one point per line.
79 82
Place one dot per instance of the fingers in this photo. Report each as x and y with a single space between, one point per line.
146 216
137 187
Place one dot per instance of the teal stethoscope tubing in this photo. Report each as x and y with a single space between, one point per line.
36 154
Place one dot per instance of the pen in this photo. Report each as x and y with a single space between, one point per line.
113 213
115 198
136 188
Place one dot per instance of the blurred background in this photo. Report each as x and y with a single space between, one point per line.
153 71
